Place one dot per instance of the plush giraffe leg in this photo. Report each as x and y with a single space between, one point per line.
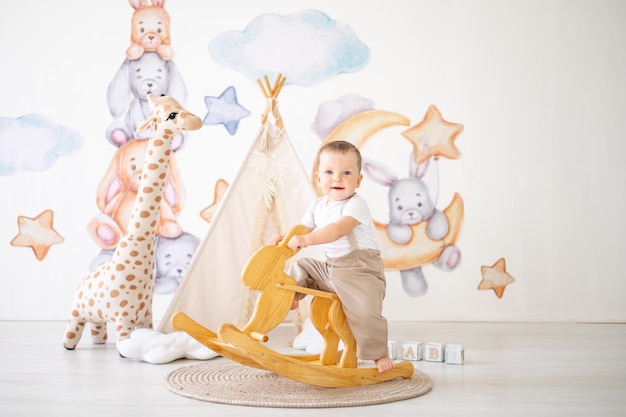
99 333
73 331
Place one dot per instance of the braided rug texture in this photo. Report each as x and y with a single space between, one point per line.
223 381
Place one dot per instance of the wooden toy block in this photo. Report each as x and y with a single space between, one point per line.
412 351
454 354
393 350
434 352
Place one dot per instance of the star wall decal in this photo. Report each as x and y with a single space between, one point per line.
218 192
225 110
433 136
495 277
37 233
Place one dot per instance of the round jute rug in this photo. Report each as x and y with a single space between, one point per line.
223 381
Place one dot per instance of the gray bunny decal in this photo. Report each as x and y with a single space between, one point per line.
412 200
128 91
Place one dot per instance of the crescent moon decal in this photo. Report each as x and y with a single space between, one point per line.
421 249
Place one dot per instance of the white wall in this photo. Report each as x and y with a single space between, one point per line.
538 85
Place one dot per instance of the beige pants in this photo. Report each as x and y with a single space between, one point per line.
358 279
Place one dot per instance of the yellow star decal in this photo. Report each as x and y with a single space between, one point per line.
495 277
37 233
219 191
433 136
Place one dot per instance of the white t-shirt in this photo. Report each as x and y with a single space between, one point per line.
323 212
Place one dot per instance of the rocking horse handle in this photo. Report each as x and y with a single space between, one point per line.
296 230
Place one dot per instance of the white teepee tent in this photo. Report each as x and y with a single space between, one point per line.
269 195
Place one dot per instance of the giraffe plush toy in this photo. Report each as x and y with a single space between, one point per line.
121 290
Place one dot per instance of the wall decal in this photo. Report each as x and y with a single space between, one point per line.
218 192
495 277
307 47
37 233
225 110
34 143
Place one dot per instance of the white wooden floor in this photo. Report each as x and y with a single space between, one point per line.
510 369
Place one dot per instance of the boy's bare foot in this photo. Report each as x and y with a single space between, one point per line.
384 364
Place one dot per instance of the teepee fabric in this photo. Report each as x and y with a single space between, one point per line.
269 195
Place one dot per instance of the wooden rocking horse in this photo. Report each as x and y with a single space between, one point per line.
264 272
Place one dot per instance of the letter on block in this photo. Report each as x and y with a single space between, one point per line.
455 354
412 351
434 352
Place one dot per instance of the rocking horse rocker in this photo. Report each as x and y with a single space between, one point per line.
264 272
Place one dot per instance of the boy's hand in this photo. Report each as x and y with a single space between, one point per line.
275 240
297 242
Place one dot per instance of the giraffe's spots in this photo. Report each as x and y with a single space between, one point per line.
123 303
141 306
100 314
133 287
144 214
96 274
140 296
119 267
153 166
125 314
101 295
70 335
80 295
134 253
91 303
74 313
123 244
168 131
115 293
130 277
100 284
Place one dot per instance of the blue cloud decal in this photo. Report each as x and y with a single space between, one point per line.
306 47
34 143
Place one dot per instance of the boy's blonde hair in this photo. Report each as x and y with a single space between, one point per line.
340 146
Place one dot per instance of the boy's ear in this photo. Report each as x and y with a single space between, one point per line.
358 181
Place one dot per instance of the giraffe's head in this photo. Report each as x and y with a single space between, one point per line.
168 113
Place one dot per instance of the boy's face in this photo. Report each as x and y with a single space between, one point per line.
338 175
